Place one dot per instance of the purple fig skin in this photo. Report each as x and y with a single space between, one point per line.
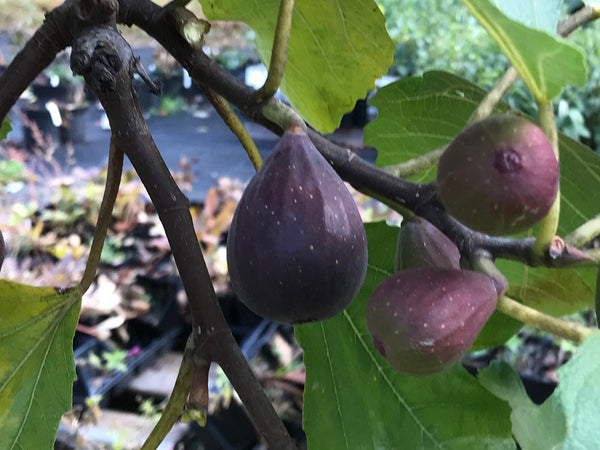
420 244
423 320
499 176
297 248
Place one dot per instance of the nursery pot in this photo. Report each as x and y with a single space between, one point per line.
74 123
46 92
38 121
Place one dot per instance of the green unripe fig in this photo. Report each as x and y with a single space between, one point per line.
297 248
423 320
499 176
420 244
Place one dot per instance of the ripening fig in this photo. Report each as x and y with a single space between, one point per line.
297 249
420 244
423 320
499 176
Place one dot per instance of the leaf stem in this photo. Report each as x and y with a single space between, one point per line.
113 180
584 233
235 125
537 319
413 166
176 402
279 51
549 225
594 253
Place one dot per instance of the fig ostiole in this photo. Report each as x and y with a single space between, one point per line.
420 244
297 248
424 320
499 176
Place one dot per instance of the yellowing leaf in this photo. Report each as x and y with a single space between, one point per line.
336 52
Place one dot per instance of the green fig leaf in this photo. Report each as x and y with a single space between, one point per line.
539 14
5 128
336 51
557 292
354 399
37 367
535 427
568 419
546 63
419 114
498 329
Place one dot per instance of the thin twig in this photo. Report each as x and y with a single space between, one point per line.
584 233
113 180
415 165
235 125
494 96
279 51
176 402
577 19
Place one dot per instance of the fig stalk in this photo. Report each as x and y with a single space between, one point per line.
549 225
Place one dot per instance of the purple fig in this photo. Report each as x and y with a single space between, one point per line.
420 244
499 176
297 248
423 320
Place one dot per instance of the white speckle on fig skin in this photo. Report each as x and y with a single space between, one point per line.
299 222
518 170
422 340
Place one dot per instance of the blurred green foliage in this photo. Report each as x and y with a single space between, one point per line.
442 35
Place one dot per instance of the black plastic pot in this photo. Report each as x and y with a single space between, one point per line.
46 92
171 85
147 99
39 121
91 381
74 126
